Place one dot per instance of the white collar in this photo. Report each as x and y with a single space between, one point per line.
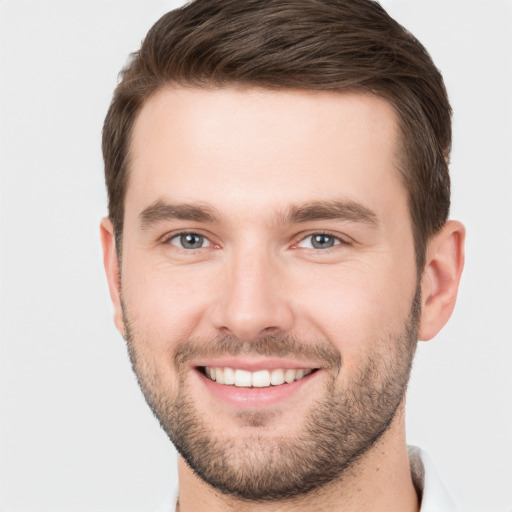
434 497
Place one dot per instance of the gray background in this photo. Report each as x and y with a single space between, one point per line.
75 433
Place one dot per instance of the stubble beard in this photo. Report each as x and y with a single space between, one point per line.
341 427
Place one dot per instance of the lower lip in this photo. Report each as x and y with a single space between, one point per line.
255 397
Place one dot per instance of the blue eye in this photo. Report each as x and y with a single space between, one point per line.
319 241
189 241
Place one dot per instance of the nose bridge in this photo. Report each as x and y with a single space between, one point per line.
252 301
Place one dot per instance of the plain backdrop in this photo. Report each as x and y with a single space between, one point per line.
75 432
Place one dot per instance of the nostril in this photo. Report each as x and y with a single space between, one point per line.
270 330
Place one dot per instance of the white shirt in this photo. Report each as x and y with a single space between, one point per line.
434 497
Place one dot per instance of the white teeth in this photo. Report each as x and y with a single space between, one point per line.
277 377
229 376
219 375
261 379
243 379
289 376
257 379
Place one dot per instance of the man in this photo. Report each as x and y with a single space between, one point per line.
277 242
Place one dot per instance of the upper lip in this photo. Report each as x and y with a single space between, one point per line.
254 364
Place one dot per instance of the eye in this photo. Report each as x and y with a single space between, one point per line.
319 241
189 241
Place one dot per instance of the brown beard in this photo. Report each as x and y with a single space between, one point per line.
340 427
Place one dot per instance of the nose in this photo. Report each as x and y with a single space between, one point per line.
252 300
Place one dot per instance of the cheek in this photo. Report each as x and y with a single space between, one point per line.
359 307
165 305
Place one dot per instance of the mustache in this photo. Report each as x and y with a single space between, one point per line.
274 345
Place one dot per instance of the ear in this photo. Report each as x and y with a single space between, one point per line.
441 277
111 264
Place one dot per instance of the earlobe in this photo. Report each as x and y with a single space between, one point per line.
441 277
111 264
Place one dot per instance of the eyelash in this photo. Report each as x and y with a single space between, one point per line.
174 236
337 240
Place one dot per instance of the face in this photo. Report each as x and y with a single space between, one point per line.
268 284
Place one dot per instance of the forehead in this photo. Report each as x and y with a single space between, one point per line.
234 147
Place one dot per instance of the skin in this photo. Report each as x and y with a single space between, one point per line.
252 155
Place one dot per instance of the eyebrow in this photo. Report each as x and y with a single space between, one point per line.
347 210
331 210
161 211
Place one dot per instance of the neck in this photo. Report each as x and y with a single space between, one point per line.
378 480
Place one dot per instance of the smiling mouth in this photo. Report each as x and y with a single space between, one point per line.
258 379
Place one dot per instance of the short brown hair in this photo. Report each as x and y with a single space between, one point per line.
328 45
